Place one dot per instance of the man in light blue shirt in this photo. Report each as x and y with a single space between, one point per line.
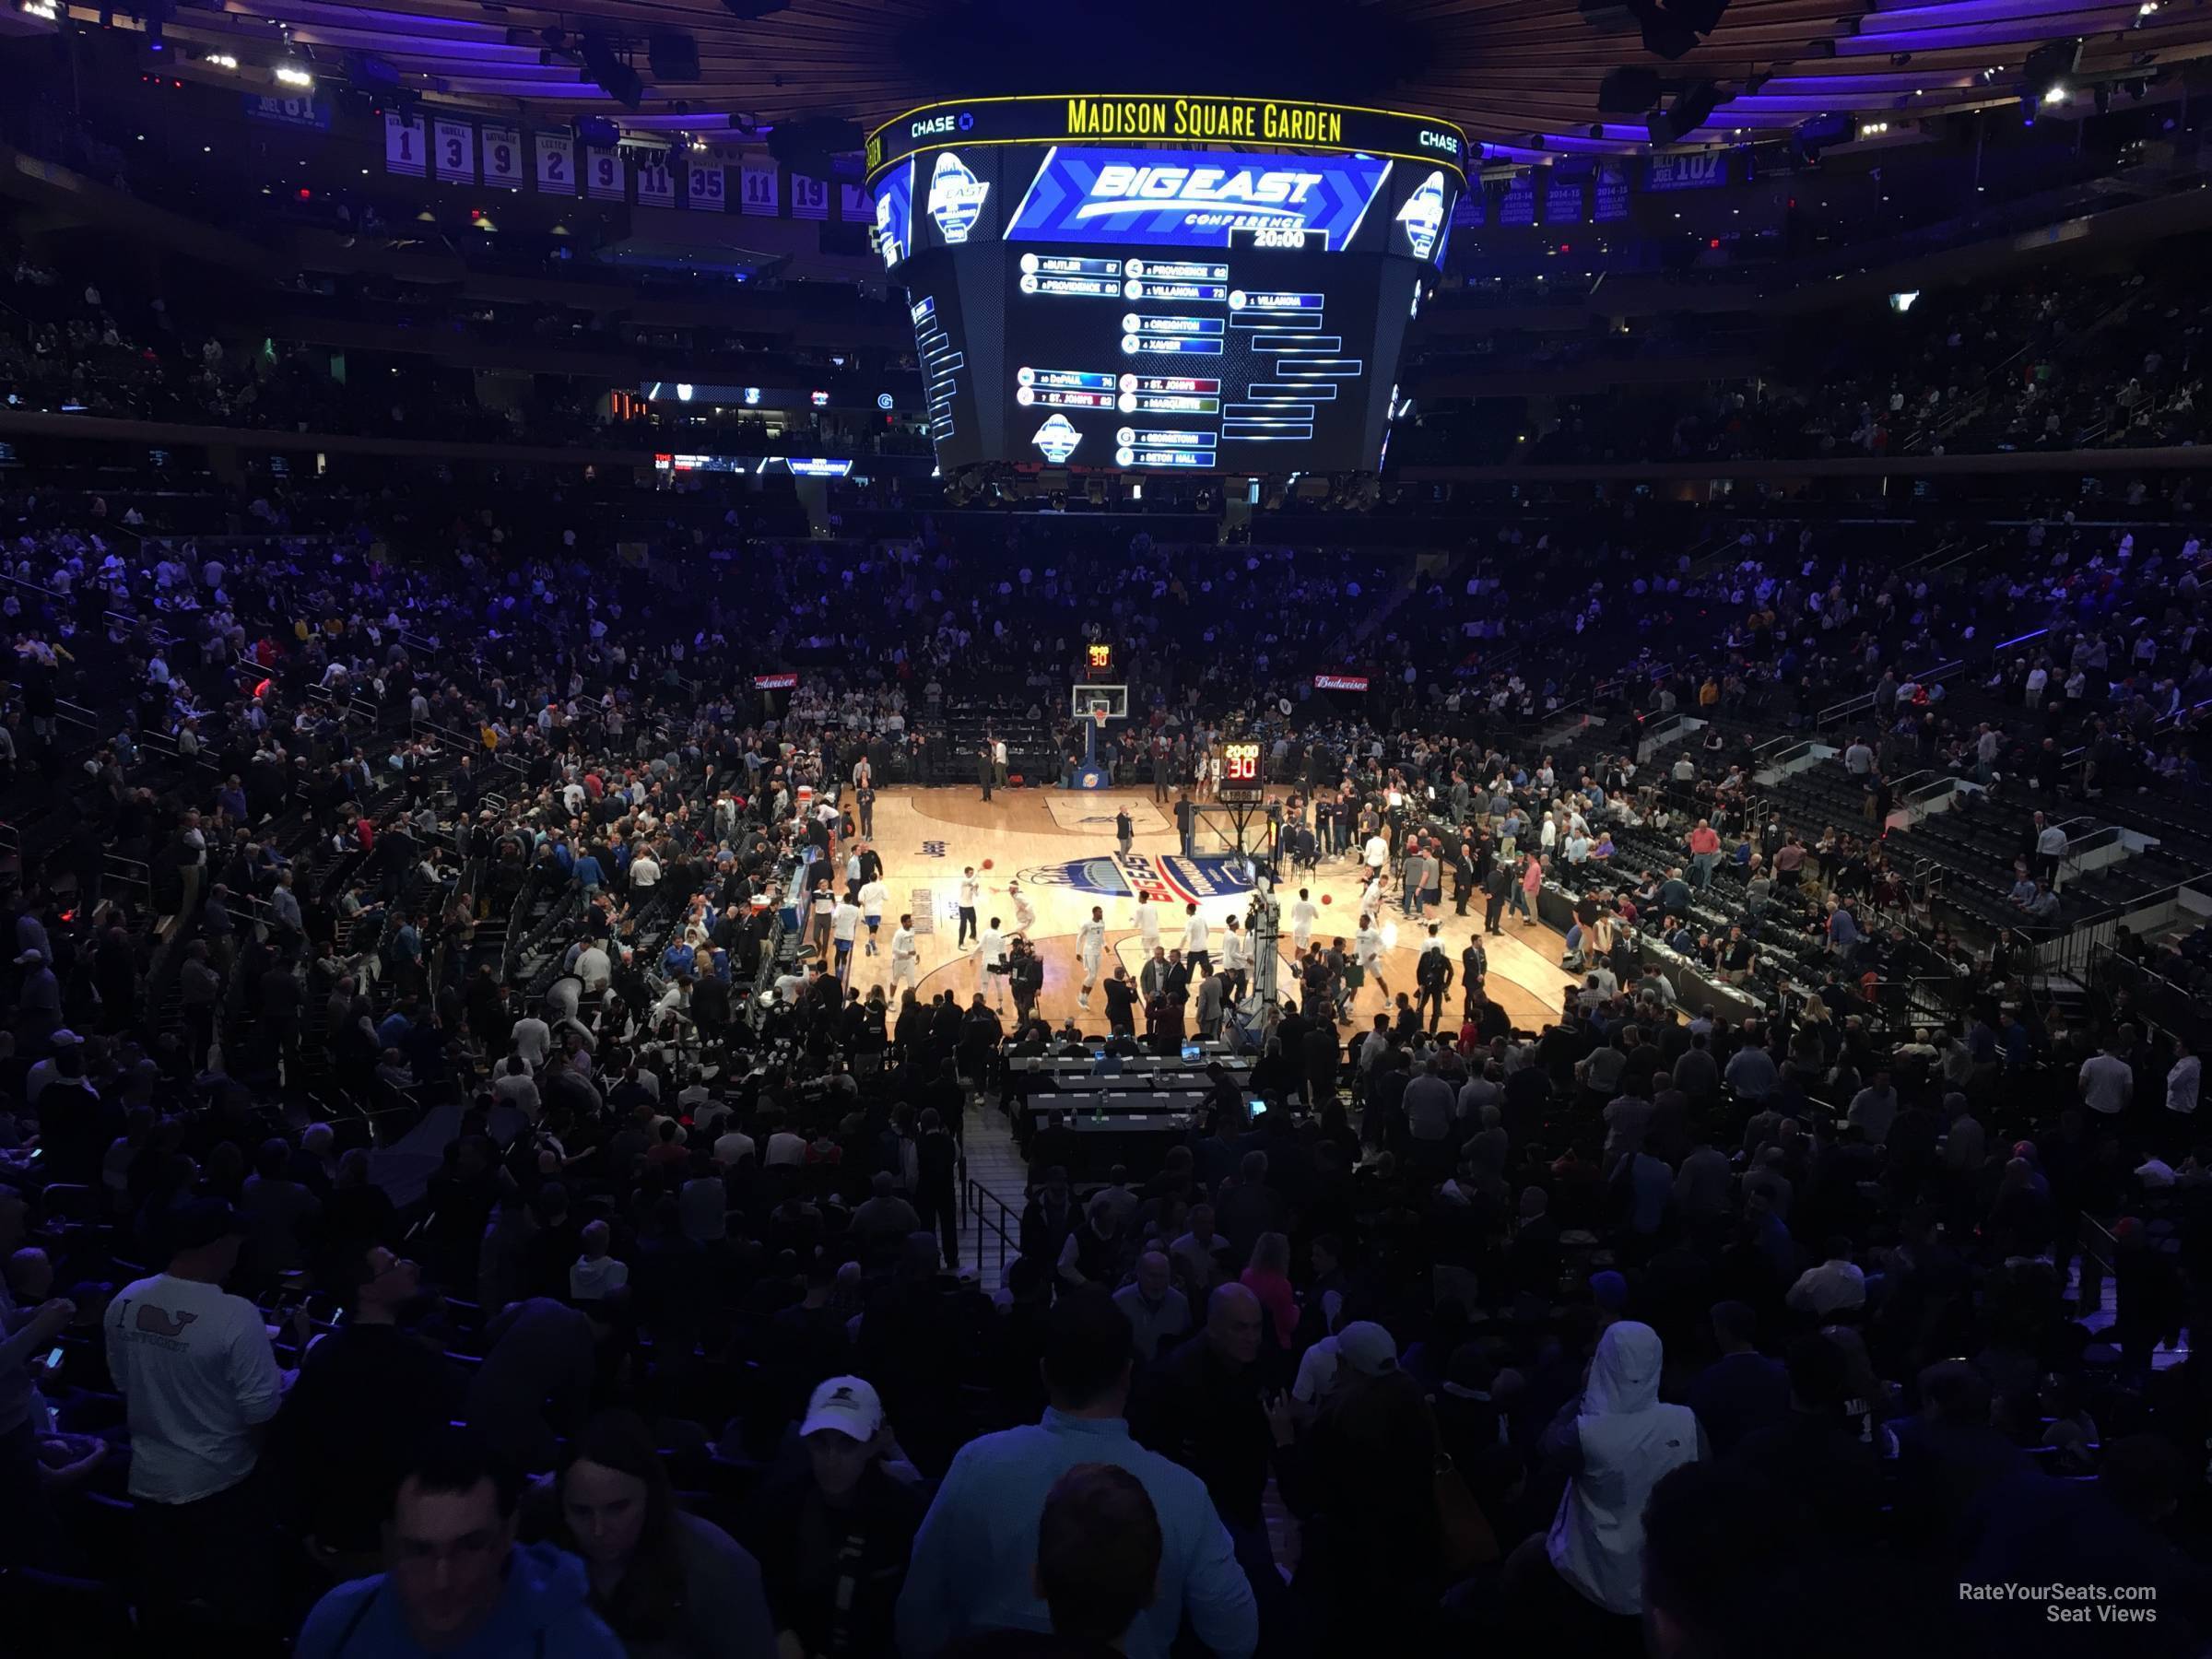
973 1560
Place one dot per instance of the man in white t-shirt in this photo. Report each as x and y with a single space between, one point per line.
644 873
732 1145
991 963
784 1147
516 1088
906 956
1303 915
198 1378
2107 1081
965 897
533 1040
2185 1079
874 896
844 927
1148 923
1090 950
1195 937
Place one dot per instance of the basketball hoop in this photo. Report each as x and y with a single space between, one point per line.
1097 715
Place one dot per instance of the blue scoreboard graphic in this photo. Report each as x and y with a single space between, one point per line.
1138 306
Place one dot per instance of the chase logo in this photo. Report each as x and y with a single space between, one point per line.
955 198
1423 216
1058 439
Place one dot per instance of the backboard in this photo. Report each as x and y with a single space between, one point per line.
1083 698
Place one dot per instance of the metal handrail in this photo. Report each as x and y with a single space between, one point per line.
971 1192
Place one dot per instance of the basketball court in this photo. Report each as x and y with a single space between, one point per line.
1058 845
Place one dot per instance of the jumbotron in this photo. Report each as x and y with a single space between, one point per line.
1202 118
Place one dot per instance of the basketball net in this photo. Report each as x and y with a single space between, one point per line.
1097 715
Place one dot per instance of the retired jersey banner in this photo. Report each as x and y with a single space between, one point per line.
456 152
810 197
703 186
556 164
503 157
603 175
761 195
657 185
405 152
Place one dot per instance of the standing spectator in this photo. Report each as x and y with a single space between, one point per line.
1615 1441
975 1559
198 1378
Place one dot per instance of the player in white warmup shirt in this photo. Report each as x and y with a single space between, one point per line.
874 896
906 956
1090 950
1236 960
1025 914
1196 936
1367 945
991 962
1303 915
1148 925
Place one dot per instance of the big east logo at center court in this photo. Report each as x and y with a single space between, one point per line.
1169 880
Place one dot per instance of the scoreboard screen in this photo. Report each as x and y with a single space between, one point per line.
1096 302
1241 784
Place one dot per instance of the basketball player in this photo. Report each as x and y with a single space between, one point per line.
873 895
1236 961
1025 914
1367 945
991 963
1303 915
1148 925
968 891
1090 950
906 956
1196 936
845 926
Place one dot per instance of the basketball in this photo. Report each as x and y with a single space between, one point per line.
986 864
1328 898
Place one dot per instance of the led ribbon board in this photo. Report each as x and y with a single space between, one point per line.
1262 123
1192 198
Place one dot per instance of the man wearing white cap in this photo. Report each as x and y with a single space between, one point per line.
835 1529
1363 1348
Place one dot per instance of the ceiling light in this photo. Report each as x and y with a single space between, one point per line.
2057 95
291 75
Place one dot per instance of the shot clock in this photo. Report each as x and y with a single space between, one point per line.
1241 785
1099 659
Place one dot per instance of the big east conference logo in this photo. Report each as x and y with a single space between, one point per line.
1169 880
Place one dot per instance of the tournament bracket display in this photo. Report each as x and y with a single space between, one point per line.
1162 284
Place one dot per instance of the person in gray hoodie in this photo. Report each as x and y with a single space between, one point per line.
459 1584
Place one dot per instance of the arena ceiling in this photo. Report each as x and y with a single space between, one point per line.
1524 76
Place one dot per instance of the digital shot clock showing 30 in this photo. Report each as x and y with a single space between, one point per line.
1240 779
